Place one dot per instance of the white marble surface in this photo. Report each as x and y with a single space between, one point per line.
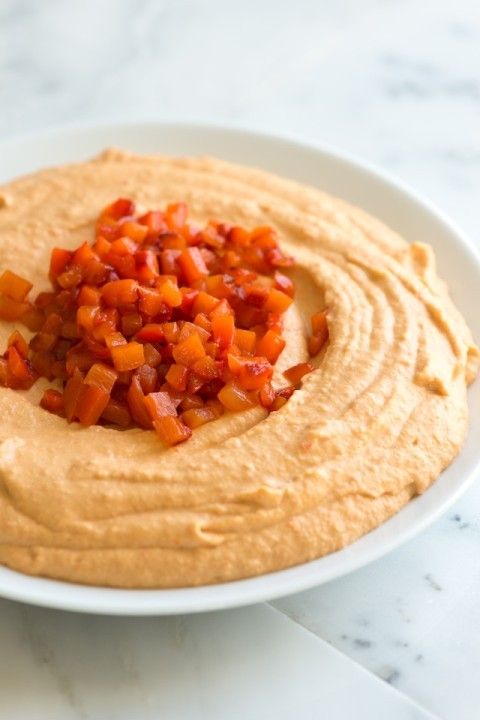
394 81
238 665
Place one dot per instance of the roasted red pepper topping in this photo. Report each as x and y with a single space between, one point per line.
156 323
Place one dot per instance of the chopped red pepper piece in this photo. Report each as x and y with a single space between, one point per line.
91 403
223 329
172 430
252 372
159 405
189 350
296 373
117 414
192 264
12 309
14 286
235 398
120 292
52 400
320 333
198 416
271 345
18 341
101 376
128 356
177 376
148 378
59 260
245 340
71 394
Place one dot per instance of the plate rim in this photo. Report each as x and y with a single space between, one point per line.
50 593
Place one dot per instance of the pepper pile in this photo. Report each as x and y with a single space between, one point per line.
157 324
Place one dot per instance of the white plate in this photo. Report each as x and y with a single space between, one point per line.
415 219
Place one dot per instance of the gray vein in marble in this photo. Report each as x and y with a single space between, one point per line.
433 583
42 652
390 674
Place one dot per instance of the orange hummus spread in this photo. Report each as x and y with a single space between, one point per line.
383 412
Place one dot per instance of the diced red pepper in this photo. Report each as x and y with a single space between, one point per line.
91 403
207 368
171 430
202 321
95 272
123 246
52 400
159 405
19 373
150 301
120 292
136 404
17 340
235 398
169 261
155 223
189 350
131 323
89 295
102 376
284 283
114 339
148 378
152 356
123 207
177 376
191 400
71 394
270 346
245 340
171 331
223 329
295 373
203 346
196 417
86 315
189 328
277 301
170 294
252 372
59 260
14 286
176 216
192 265
135 231
70 278
218 286
151 333
128 357
32 318
216 406
204 303
117 414
267 395
12 309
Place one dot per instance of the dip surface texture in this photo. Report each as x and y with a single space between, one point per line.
372 426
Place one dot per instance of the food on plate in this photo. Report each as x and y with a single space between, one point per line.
211 373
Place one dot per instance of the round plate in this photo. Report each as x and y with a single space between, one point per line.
385 198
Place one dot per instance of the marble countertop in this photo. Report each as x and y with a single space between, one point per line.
396 82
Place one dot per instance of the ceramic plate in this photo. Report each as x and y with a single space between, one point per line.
382 196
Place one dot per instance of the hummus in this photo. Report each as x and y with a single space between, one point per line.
371 427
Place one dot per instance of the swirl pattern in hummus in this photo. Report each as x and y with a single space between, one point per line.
383 413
